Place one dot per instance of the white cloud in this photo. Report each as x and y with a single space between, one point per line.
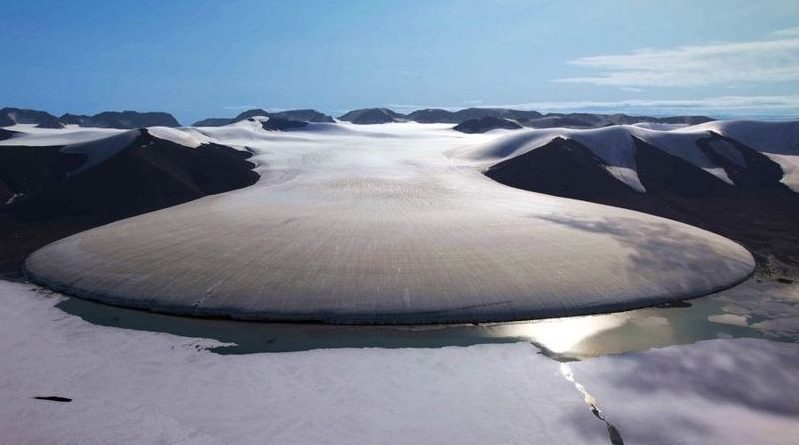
772 60
397 72
789 32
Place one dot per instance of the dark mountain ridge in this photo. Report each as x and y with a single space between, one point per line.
488 123
527 118
367 116
45 194
121 119
756 210
10 116
303 115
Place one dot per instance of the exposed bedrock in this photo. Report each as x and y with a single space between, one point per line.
11 116
120 119
48 192
370 116
484 124
305 115
755 208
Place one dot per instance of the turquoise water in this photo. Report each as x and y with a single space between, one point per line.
759 309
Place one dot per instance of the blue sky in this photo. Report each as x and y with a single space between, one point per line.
211 59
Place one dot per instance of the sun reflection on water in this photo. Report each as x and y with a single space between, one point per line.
561 335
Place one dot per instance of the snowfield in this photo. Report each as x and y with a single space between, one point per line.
375 224
141 387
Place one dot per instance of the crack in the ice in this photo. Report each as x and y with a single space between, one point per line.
613 432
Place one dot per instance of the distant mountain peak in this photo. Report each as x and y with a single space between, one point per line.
366 116
301 115
11 116
121 119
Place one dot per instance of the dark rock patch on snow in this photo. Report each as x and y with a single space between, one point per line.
278 124
53 398
483 124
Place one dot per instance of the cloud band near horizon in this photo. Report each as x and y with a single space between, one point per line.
775 59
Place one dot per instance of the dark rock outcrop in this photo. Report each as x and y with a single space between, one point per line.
483 124
505 113
6 121
213 122
436 115
366 116
535 119
121 120
278 124
51 201
6 134
433 116
255 112
759 211
603 120
303 116
565 168
306 115
10 116
80 120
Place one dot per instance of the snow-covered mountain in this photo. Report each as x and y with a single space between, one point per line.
738 178
304 115
717 148
57 182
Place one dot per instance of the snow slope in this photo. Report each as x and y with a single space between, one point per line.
777 140
97 144
374 224
133 387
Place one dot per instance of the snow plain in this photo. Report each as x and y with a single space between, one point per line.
130 386
375 224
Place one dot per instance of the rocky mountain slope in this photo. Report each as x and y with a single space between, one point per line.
121 120
736 178
50 191
305 115
369 116
11 116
